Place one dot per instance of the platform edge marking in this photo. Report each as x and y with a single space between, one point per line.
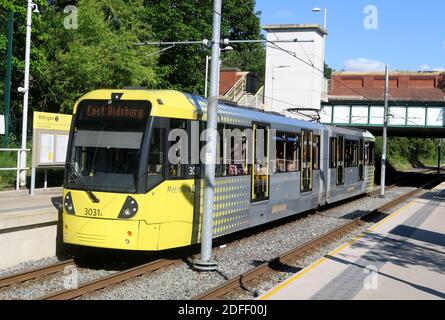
334 253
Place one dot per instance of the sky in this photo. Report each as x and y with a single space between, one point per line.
407 35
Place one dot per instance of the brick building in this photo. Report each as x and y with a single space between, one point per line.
406 87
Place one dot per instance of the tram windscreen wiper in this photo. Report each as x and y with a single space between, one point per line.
78 179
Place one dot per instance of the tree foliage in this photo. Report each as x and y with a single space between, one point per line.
183 67
101 52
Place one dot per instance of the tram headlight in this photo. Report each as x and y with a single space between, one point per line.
129 209
68 204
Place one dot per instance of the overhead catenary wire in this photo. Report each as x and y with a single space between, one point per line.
272 44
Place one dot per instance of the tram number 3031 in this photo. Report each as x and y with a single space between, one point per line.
92 212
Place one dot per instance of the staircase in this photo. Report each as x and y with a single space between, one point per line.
239 95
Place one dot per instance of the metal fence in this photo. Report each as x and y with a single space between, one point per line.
18 168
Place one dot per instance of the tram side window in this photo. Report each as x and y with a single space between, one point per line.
233 157
280 164
351 153
292 153
177 170
348 153
369 153
355 154
316 152
333 153
156 158
287 153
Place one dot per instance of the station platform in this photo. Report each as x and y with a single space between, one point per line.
28 225
400 258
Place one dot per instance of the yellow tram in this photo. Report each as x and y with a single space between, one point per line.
121 192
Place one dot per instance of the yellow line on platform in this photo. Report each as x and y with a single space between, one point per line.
334 253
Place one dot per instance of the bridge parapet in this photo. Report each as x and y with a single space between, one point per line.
406 119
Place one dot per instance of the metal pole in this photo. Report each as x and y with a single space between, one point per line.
32 188
205 263
273 88
207 77
7 109
324 50
439 156
325 18
385 134
25 90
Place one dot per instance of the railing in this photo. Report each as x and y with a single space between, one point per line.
258 99
238 89
18 168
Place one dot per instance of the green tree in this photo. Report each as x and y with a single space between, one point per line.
101 53
66 63
328 71
183 67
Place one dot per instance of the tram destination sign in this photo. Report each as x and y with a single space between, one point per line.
117 110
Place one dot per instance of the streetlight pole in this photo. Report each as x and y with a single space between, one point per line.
206 263
325 20
7 109
25 90
208 58
385 134
207 77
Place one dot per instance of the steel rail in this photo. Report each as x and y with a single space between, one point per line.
401 179
243 280
34 273
118 277
110 280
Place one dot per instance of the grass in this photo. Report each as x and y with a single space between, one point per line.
8 178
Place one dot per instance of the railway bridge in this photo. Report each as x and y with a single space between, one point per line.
416 105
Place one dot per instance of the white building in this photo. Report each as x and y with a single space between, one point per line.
295 79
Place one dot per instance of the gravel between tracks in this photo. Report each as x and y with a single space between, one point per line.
48 284
181 282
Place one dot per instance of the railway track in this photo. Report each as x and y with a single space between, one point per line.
245 280
35 273
113 279
110 280
400 180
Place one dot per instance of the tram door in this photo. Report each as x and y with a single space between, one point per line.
306 161
361 160
340 161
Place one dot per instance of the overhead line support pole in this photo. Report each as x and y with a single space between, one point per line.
385 134
205 263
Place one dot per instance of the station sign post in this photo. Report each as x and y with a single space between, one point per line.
49 143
